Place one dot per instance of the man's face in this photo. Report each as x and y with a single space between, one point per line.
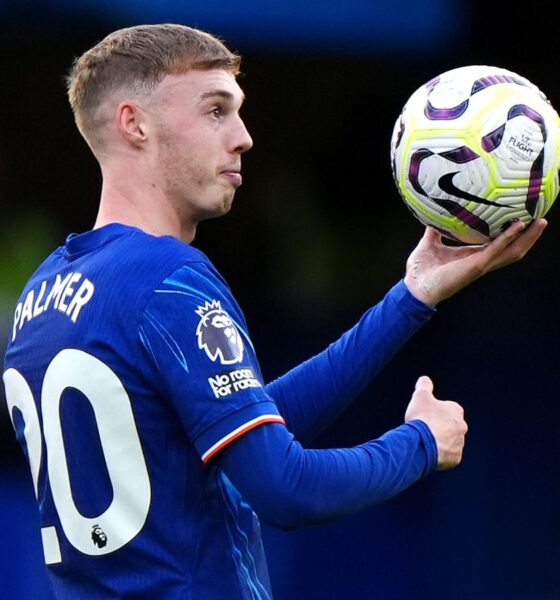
199 139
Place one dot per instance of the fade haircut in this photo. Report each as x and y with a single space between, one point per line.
136 59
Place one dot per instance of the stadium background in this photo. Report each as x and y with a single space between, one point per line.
317 234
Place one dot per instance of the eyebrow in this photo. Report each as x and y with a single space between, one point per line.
221 94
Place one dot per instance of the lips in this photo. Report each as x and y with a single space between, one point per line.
233 174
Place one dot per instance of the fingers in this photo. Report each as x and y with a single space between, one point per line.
451 441
499 244
512 232
516 241
509 247
523 242
424 383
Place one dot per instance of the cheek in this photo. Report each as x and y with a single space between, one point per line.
197 157
179 164
188 160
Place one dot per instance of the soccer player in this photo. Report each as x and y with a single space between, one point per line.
130 376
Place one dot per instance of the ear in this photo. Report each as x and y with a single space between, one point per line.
132 123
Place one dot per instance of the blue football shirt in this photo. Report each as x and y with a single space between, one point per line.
129 366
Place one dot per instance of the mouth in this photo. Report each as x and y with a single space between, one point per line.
233 174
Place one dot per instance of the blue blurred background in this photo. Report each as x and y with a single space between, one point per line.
318 234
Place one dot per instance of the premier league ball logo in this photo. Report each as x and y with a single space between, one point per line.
217 334
98 536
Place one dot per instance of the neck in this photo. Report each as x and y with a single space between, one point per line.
128 197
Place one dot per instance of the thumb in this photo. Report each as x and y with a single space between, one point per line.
424 383
432 235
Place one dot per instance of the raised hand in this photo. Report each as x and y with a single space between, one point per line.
436 271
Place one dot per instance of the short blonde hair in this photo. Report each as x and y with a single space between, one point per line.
138 58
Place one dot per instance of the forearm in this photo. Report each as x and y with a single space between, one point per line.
290 487
311 395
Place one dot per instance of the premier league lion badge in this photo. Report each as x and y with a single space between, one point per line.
217 334
98 536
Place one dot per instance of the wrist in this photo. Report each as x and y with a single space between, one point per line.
422 293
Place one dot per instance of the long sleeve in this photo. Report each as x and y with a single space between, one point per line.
290 487
312 394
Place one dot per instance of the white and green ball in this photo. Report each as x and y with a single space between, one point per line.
474 150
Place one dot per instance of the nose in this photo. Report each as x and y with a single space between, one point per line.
242 140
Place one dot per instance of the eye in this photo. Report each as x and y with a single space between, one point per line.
217 112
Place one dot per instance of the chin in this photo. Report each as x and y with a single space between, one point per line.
218 210
226 204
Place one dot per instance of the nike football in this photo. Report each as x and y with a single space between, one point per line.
474 150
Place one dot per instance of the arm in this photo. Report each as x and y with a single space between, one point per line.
290 487
312 394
